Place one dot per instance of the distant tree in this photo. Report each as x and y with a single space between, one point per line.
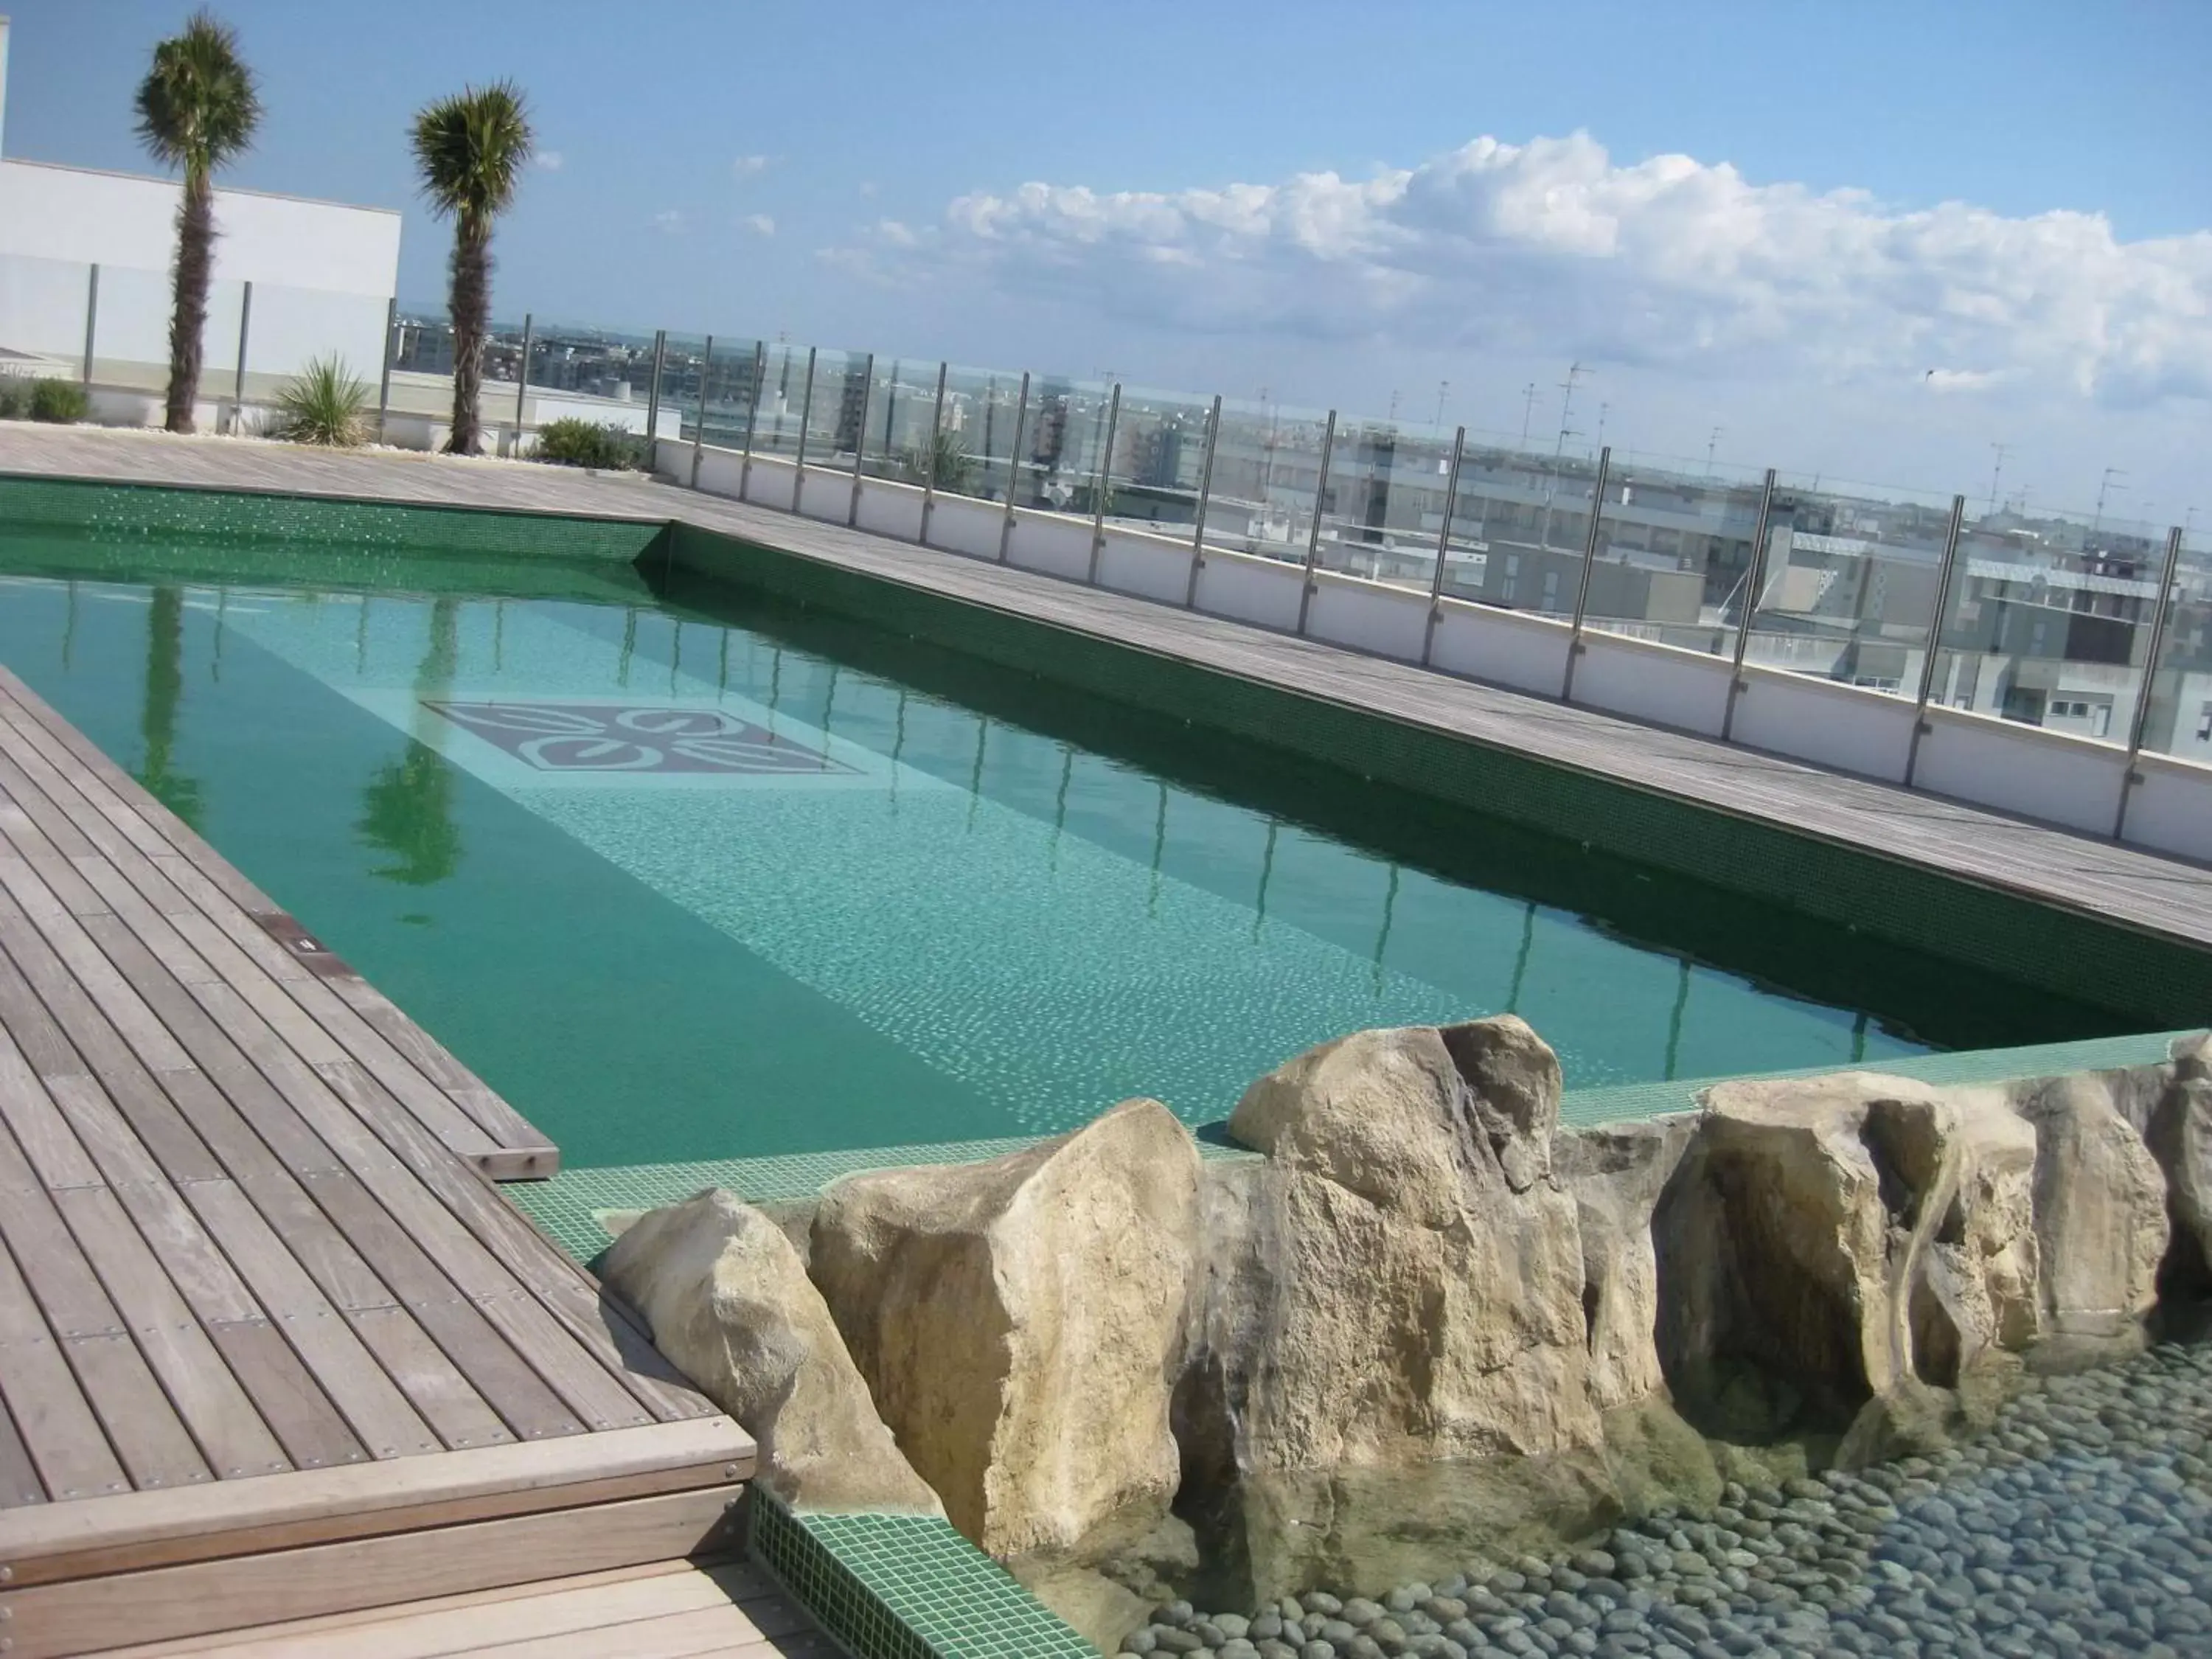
197 110
471 149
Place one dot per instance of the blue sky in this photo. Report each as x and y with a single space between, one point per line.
855 176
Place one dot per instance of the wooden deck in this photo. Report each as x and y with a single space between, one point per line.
262 1319
2053 866
659 1612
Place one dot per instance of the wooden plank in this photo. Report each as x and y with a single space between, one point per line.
431 1382
53 1264
224 1421
723 1629
155 1449
70 1617
28 1022
135 1022
345 1370
48 1412
455 1625
19 1475
383 1497
306 1422
27 1107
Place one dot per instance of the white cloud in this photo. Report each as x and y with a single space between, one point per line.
1550 248
760 224
551 160
671 221
867 187
747 166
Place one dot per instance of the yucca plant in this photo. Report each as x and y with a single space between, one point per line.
471 149
325 405
197 109
944 461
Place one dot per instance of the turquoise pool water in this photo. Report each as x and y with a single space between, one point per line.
692 876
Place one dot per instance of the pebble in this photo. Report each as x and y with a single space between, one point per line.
2080 1524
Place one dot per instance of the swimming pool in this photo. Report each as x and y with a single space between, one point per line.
697 874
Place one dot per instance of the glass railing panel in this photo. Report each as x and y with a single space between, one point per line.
288 328
580 371
1385 502
1518 525
900 444
1063 445
836 414
1848 592
422 360
783 396
42 317
683 375
131 338
733 367
1159 452
1674 554
975 446
2049 620
1267 466
2178 719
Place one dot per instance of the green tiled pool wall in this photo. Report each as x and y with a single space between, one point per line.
180 511
2154 982
905 1587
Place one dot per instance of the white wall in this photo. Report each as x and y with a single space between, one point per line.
2018 769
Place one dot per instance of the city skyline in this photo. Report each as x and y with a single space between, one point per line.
2018 288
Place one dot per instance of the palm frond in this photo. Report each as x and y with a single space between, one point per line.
471 149
197 107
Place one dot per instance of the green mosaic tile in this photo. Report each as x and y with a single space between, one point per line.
2154 982
173 513
905 1587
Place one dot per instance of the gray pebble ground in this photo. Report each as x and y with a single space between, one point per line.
2080 1525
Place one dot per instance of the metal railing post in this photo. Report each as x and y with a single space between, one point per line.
752 418
1589 563
1104 485
929 461
1754 582
391 350
1014 469
699 419
860 436
91 318
522 376
806 414
1443 544
1313 532
652 394
1944 577
1204 495
238 382
2141 724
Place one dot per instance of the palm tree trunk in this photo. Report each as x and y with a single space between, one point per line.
471 303
188 322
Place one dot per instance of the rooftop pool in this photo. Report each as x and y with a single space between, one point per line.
695 875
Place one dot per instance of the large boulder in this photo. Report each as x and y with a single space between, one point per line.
1617 1174
1837 1240
1401 1279
727 1299
2101 1211
1020 1324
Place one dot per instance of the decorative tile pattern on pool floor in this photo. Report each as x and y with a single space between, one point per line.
578 737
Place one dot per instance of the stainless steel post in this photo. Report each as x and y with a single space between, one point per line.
929 456
1014 468
1589 563
1313 532
522 376
1444 545
238 383
2141 723
91 318
652 394
384 383
1943 576
1754 582
1105 483
860 436
806 414
1204 495
752 418
699 418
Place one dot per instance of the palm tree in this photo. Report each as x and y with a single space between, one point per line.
472 149
157 716
197 110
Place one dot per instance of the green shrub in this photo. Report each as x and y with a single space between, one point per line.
570 441
15 399
324 405
61 401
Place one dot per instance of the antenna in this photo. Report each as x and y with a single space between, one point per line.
1528 409
1444 390
1997 472
1712 443
2104 486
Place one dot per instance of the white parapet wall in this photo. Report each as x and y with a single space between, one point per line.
2052 777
